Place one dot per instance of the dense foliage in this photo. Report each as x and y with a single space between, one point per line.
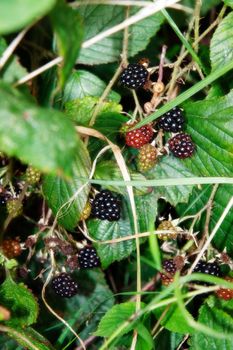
116 173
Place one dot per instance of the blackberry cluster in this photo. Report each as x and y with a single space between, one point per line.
88 258
64 286
147 157
172 121
211 268
11 248
167 225
105 206
139 137
225 293
14 207
32 175
134 76
181 145
169 266
166 280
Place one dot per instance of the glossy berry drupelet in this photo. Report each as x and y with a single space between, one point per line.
134 76
11 248
105 206
211 268
64 286
172 121
169 266
167 225
181 145
88 258
225 293
147 157
139 137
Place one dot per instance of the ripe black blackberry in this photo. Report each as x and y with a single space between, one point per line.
181 145
211 268
64 286
172 121
106 207
4 197
134 76
88 258
169 266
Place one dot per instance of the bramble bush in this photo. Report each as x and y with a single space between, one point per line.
116 164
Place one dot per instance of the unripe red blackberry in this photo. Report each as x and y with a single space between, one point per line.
88 258
169 266
134 76
64 286
167 225
139 137
172 121
11 248
181 145
147 157
166 280
225 293
86 211
32 175
106 206
14 207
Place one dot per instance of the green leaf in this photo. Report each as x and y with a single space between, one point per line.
114 318
81 109
210 124
16 14
93 301
172 168
35 135
223 237
229 2
217 320
68 30
12 70
21 303
174 320
83 83
221 46
145 340
38 341
98 18
104 230
109 170
58 191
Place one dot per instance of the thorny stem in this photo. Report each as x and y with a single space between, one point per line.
161 64
10 49
18 335
156 326
197 11
195 44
